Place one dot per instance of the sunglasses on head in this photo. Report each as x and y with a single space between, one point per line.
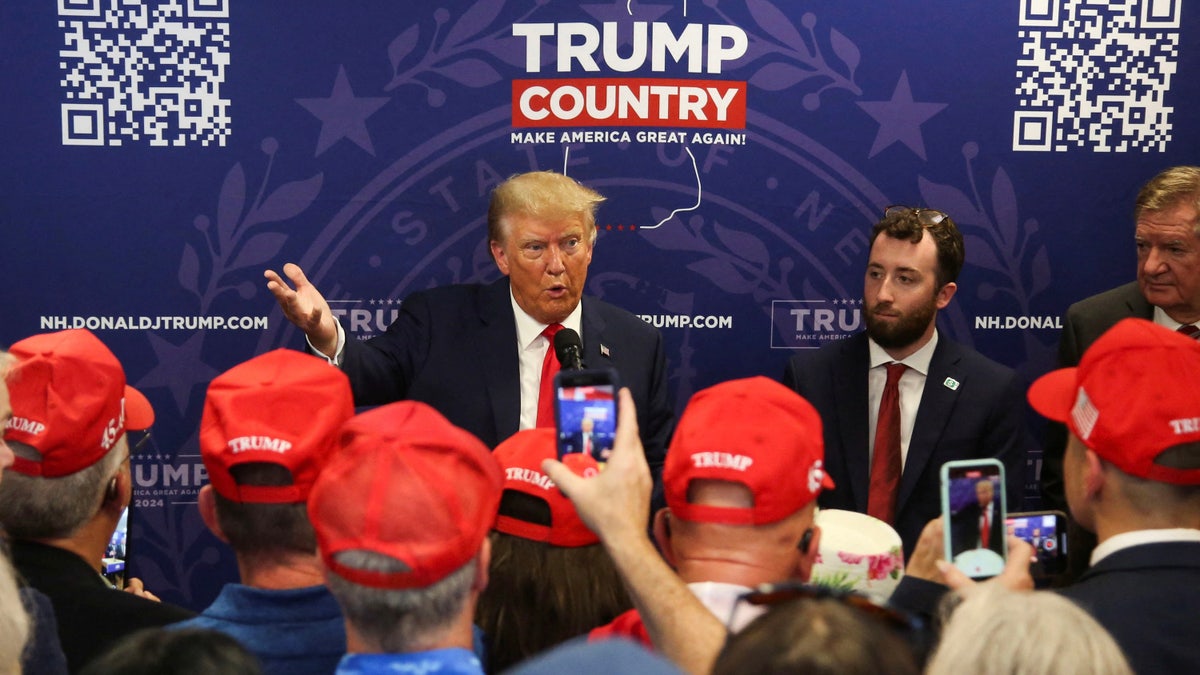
910 627
774 594
137 440
926 217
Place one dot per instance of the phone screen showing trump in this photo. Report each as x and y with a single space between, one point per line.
586 412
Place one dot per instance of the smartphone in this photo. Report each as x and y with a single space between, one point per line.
973 511
112 565
1046 532
585 411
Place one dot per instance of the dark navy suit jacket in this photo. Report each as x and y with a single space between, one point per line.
455 348
1147 596
972 407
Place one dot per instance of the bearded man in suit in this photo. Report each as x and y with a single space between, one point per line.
938 400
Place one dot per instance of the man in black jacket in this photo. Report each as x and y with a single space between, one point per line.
69 483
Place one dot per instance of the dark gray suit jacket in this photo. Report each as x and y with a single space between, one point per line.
455 348
981 416
1086 320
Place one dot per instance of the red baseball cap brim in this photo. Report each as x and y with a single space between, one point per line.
521 456
139 414
1131 400
1054 393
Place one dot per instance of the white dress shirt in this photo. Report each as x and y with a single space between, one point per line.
532 346
912 384
1161 318
722 600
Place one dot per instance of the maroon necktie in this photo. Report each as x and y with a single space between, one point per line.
545 407
1190 331
885 465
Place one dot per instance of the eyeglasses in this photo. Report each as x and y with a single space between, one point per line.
911 627
926 217
137 440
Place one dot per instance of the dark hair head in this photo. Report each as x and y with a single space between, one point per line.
258 529
188 651
911 224
539 595
816 637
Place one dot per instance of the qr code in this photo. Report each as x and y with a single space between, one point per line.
1096 74
146 71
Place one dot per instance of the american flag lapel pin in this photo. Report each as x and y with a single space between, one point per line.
604 350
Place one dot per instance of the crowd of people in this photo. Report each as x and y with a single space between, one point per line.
439 531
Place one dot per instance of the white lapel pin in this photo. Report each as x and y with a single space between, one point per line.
951 384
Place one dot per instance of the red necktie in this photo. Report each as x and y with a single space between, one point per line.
1190 331
984 530
545 407
885 465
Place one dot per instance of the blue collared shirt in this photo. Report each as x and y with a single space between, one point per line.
454 661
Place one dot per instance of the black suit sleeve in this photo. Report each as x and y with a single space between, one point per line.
1053 495
382 368
964 529
655 417
1006 437
791 379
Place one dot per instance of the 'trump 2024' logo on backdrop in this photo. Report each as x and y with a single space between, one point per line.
630 101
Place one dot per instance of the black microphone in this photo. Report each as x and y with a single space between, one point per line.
569 349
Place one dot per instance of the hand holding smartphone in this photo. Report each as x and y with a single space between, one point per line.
973 509
585 411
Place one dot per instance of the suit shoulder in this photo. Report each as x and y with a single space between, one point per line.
618 318
441 295
811 370
831 352
976 362
1106 301
457 302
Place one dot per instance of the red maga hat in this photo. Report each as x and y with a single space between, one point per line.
521 456
70 402
1133 397
284 407
410 485
755 432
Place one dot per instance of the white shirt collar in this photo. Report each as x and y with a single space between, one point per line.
918 360
530 329
721 599
1161 318
1126 540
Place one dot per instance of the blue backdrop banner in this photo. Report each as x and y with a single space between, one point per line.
160 154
